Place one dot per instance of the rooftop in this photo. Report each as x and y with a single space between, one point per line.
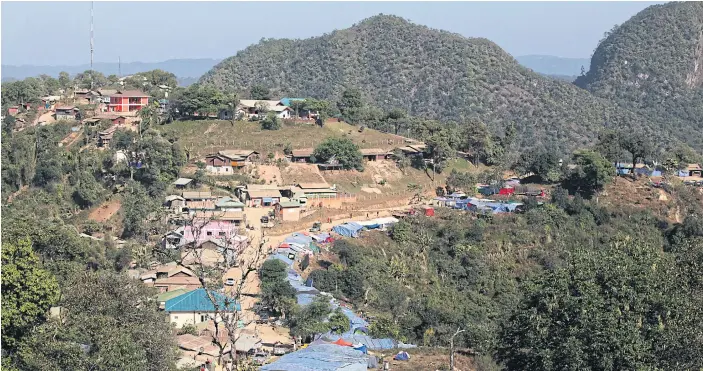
237 152
199 301
304 152
130 94
197 195
264 193
182 181
252 103
373 151
313 185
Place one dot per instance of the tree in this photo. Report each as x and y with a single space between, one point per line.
478 142
461 181
592 172
440 151
311 319
123 139
259 92
351 105
88 190
544 163
616 307
64 80
27 292
638 145
137 206
108 322
342 150
270 122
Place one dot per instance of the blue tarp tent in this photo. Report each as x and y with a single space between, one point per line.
282 258
402 356
683 173
349 229
321 357
361 348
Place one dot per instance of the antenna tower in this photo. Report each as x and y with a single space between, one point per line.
91 45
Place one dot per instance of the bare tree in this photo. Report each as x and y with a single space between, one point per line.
451 348
234 252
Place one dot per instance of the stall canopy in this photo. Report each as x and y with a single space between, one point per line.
350 229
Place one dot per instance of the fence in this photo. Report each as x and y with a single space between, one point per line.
201 148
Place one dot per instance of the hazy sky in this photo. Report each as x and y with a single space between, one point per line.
57 33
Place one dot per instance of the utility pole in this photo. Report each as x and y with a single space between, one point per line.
91 45
119 67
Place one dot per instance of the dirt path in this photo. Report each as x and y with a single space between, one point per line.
271 174
105 211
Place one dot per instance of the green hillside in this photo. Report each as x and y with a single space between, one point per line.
654 62
429 73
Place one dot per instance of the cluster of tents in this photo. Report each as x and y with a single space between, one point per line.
304 243
352 229
479 205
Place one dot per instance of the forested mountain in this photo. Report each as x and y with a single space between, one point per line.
654 62
430 73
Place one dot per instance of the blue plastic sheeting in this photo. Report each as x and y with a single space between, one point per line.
623 171
656 173
321 357
281 257
322 236
297 240
683 173
301 236
305 299
368 341
350 229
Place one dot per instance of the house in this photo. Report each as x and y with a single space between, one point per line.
127 101
163 297
13 111
66 113
374 154
194 206
82 95
182 183
315 190
199 306
692 170
175 203
302 155
288 211
170 277
197 196
219 164
225 161
105 137
203 230
262 197
250 107
163 106
202 348
248 155
229 204
235 218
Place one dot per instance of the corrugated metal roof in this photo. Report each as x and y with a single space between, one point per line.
198 301
170 294
304 152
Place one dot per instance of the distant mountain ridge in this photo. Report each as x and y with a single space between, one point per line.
433 74
554 66
182 68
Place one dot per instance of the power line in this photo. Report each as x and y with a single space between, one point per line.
91 45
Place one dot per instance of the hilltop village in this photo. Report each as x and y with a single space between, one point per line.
484 218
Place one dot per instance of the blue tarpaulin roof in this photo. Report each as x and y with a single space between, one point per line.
282 258
349 229
198 301
321 357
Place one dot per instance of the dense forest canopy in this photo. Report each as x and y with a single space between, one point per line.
654 63
431 74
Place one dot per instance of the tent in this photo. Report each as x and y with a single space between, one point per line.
350 229
320 357
373 362
342 342
361 348
402 356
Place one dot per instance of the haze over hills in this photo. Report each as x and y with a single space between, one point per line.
429 73
182 68
551 65
194 68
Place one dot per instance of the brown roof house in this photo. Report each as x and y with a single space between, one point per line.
66 113
375 154
302 155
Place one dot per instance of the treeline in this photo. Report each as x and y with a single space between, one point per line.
107 320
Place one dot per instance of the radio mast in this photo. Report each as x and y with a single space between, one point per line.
91 45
